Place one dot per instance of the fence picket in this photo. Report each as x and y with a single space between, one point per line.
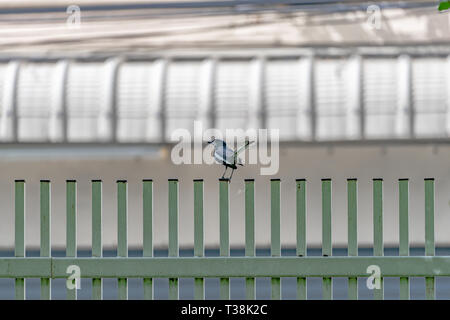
250 233
122 234
429 233
327 284
97 249
47 268
147 205
45 234
301 232
378 229
19 242
352 209
404 232
173 233
275 248
71 228
224 233
199 286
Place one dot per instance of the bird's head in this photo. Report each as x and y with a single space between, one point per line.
212 140
217 143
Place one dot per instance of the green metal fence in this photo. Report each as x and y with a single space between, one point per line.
224 267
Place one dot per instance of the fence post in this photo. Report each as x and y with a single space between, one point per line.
275 248
19 251
173 233
250 233
429 233
71 228
45 234
199 287
403 232
97 250
301 232
378 228
352 209
224 233
327 284
122 234
147 196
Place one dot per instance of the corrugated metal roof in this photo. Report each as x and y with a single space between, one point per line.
307 97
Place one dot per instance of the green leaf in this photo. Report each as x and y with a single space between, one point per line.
444 6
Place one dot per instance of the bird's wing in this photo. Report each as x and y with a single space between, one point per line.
229 155
224 155
218 157
242 148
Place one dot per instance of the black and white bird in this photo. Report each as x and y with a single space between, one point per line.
226 156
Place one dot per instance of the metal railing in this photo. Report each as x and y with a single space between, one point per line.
224 267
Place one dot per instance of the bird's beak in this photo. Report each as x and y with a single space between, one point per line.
210 141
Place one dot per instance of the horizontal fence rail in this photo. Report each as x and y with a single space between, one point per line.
223 267
214 267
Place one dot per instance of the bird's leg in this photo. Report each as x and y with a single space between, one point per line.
231 174
223 175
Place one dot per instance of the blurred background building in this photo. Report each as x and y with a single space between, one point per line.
356 90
